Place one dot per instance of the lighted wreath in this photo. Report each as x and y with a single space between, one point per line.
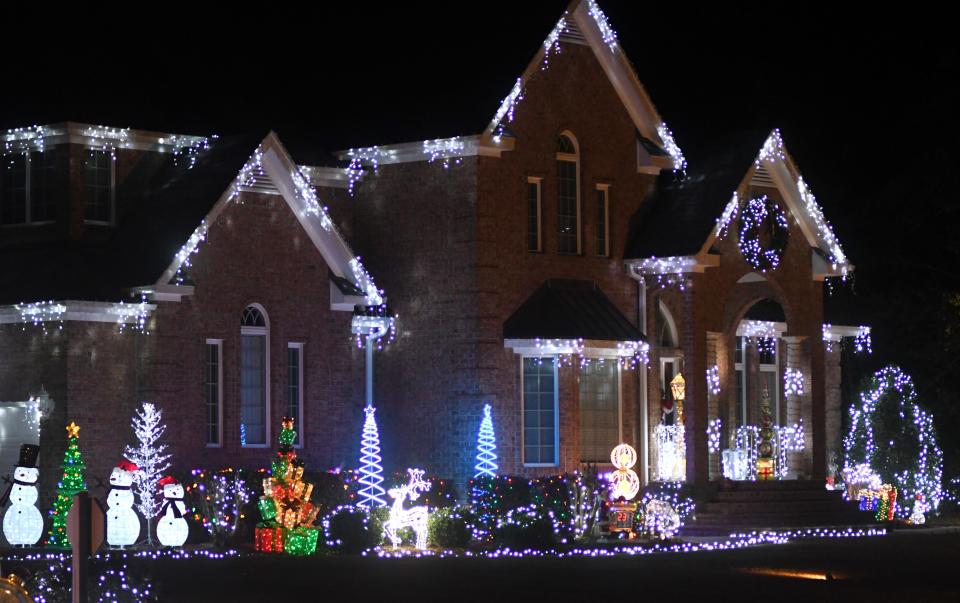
764 233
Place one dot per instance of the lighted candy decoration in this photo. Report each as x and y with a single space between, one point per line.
624 481
414 517
23 523
123 523
172 528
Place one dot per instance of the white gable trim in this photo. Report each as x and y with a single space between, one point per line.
271 161
778 165
614 63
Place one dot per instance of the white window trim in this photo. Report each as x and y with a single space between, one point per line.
265 332
556 414
670 324
606 219
298 345
539 182
113 193
219 344
575 158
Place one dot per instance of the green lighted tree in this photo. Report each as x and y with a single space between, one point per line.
70 484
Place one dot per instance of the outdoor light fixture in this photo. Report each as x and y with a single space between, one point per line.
678 387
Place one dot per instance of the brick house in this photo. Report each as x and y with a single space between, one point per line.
536 266
243 313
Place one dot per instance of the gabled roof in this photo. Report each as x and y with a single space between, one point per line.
166 207
584 21
569 309
161 202
687 212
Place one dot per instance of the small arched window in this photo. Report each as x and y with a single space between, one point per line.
568 194
666 328
254 376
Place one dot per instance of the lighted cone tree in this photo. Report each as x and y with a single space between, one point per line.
285 508
371 492
69 485
486 445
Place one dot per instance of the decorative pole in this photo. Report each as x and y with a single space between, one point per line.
765 449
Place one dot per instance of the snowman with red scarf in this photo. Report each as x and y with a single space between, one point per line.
172 528
123 524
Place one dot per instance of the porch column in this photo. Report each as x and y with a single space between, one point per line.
799 407
695 407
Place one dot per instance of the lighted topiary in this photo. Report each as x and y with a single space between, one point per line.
895 437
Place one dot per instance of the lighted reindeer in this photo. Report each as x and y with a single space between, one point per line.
414 517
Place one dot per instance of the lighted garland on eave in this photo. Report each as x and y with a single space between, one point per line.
762 219
70 484
895 438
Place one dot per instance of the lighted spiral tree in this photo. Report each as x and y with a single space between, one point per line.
71 483
486 445
285 506
371 492
892 435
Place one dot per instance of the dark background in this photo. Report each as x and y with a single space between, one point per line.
865 100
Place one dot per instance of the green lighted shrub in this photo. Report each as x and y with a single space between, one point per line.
447 528
351 530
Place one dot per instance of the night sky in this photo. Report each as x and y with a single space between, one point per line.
866 103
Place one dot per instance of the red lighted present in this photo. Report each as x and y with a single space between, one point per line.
269 540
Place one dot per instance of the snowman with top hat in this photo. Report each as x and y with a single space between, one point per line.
123 523
23 524
172 528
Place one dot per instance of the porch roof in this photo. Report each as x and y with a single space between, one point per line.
682 210
570 309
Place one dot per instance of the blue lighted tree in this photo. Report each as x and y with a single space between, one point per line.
371 470
486 445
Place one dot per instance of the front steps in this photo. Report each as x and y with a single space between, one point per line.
774 505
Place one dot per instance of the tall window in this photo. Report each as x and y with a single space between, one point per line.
42 174
540 411
534 215
568 195
295 388
603 220
13 189
26 188
213 389
599 410
98 187
254 378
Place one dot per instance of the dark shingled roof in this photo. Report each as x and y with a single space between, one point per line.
568 309
161 202
681 211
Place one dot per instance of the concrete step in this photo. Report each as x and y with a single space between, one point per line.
778 495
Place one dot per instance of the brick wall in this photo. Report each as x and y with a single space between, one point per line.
449 246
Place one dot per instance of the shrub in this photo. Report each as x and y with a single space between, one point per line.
350 529
448 528
526 527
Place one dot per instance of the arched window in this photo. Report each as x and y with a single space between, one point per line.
666 328
254 377
568 194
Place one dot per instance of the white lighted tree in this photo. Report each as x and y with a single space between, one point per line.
151 458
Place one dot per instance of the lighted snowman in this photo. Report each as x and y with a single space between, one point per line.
123 524
23 524
172 528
